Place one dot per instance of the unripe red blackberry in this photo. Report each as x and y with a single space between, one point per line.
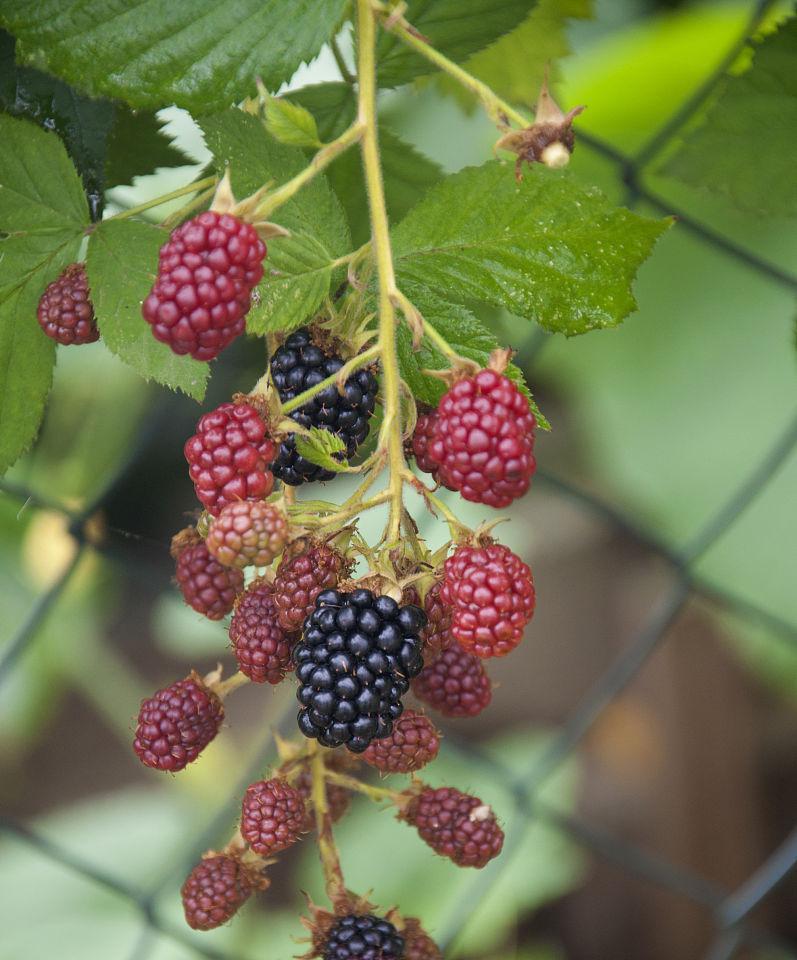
483 440
422 437
272 815
262 648
65 311
413 743
455 683
248 533
206 585
418 944
301 578
436 635
176 724
363 937
229 456
207 270
455 825
338 798
214 891
491 592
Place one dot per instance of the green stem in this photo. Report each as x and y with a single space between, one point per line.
320 161
390 436
194 187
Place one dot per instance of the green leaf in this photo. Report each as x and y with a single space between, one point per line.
121 264
199 54
298 268
334 106
545 249
465 333
291 123
323 448
456 28
137 146
742 147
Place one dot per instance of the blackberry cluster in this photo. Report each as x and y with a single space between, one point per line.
364 938
354 664
295 367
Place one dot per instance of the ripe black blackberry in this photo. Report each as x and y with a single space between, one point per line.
354 663
295 367
364 938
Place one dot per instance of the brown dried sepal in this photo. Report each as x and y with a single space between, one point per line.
188 537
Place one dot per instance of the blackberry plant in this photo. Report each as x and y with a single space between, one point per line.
376 367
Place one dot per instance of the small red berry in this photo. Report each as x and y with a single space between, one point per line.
229 456
492 595
272 815
214 891
176 724
413 743
483 440
436 635
455 825
262 648
65 310
301 578
207 270
422 437
455 684
206 585
247 533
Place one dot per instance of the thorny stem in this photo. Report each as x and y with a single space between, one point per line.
390 437
330 862
195 187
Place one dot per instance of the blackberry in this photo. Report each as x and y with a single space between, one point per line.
214 891
272 815
302 577
295 367
65 311
413 743
262 648
205 584
354 663
364 938
455 683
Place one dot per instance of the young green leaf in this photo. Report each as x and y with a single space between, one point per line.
745 145
456 28
546 249
322 448
199 54
291 123
121 264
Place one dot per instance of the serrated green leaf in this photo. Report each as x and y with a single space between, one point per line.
456 28
298 268
291 123
545 249
743 146
137 146
322 448
199 54
465 333
121 264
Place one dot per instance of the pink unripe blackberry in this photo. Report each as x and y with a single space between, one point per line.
207 270
176 724
229 456
214 891
262 648
206 585
491 593
65 311
455 825
412 744
272 815
455 683
247 533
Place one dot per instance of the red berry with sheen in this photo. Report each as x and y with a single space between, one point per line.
176 724
301 578
483 440
229 457
65 311
455 684
206 585
272 815
214 891
455 825
491 593
422 438
207 270
262 648
412 744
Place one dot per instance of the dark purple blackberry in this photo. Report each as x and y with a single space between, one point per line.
354 663
295 367
364 938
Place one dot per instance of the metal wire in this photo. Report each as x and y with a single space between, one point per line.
730 910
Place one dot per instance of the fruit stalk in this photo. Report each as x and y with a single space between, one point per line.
330 861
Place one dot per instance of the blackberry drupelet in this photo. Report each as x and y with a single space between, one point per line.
295 367
354 663
364 938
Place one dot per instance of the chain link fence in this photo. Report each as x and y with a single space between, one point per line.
730 910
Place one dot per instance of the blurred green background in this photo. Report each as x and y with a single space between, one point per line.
664 418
